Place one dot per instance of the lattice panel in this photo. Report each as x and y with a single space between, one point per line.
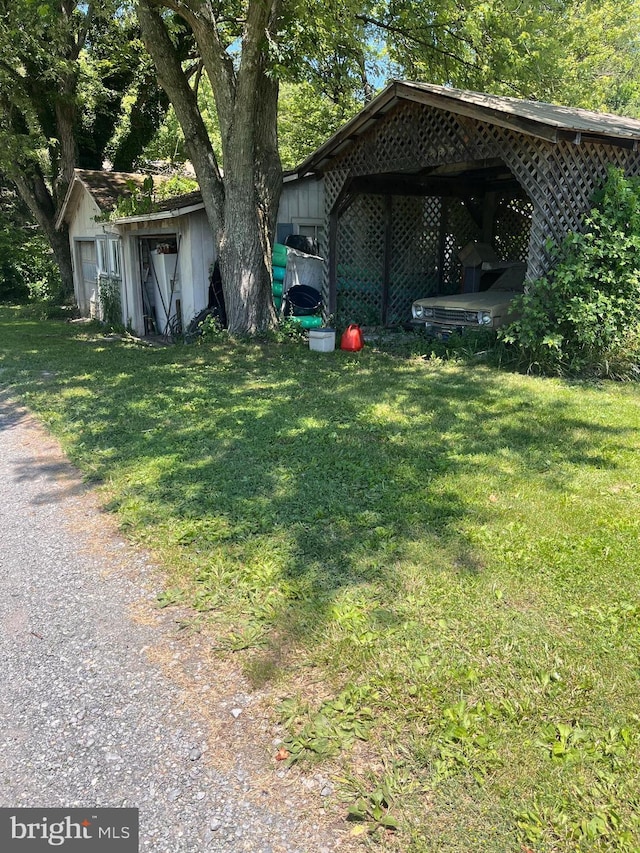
460 230
559 179
513 229
413 262
360 261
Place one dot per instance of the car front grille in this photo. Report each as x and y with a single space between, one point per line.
453 317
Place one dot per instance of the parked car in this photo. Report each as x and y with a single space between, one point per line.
488 309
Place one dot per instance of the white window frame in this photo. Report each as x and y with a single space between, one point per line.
115 258
102 260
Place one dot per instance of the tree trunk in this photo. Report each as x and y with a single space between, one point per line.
36 196
245 271
251 209
62 251
241 206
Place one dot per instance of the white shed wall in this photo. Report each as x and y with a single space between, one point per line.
82 222
195 257
302 200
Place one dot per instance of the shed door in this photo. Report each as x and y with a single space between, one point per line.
87 295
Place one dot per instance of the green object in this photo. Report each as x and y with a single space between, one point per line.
307 322
278 273
279 255
277 288
277 301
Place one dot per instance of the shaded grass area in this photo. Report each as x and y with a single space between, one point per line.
434 565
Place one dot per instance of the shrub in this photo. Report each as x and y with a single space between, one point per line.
584 316
110 301
27 267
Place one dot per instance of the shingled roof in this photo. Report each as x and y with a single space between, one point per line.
106 188
533 118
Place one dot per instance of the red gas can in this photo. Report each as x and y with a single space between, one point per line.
352 339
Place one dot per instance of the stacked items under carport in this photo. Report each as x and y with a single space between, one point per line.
279 268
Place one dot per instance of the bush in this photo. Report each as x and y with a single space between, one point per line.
110 300
584 316
28 270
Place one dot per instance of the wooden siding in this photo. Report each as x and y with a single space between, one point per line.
196 255
82 219
302 200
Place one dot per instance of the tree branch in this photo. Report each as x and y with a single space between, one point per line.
174 82
447 54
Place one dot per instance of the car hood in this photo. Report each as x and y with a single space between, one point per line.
489 300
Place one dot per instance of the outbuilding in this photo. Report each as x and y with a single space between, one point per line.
153 266
157 266
424 172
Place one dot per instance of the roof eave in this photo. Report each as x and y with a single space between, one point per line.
380 104
161 214
452 102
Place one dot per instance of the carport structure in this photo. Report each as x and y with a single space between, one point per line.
424 169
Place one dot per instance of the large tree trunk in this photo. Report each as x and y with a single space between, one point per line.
59 240
253 180
244 264
241 206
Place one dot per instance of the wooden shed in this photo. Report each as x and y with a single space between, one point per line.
424 171
159 262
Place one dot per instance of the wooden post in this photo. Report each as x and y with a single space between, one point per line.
388 246
333 260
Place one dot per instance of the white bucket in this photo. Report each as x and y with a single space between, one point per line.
322 340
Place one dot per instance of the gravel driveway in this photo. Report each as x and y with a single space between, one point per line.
88 718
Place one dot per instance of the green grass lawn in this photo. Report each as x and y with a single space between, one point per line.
447 553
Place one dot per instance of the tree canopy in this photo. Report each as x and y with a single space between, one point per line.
566 51
65 68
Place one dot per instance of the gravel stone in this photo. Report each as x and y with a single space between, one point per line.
87 719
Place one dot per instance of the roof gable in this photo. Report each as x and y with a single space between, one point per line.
105 188
533 118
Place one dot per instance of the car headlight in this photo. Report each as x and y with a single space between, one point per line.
428 313
416 311
484 318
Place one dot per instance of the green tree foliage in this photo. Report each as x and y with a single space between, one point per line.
27 267
65 67
584 316
566 51
307 118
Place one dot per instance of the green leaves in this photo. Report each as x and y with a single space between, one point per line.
335 726
584 316
576 53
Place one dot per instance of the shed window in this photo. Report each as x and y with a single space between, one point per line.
101 256
309 228
114 257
